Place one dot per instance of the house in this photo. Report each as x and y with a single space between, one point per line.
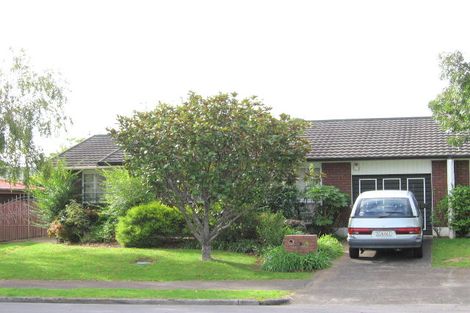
356 155
412 153
10 191
87 159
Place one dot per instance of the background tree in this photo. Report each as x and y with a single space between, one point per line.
52 187
31 104
121 192
451 108
213 158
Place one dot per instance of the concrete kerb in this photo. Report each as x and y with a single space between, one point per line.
279 301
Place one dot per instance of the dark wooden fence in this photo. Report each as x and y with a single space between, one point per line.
18 220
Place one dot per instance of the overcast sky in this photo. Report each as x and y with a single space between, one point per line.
310 59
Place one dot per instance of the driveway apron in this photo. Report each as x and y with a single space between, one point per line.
387 277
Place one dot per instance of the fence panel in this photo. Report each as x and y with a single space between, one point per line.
18 220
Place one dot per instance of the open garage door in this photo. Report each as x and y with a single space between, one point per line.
419 184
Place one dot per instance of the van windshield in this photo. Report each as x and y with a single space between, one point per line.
383 208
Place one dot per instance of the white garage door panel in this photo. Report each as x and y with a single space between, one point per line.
388 167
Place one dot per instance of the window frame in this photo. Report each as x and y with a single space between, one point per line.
95 196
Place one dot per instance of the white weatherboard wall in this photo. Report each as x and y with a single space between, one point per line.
385 167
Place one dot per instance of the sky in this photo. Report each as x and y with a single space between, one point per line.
310 59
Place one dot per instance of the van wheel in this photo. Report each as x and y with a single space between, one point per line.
418 252
354 253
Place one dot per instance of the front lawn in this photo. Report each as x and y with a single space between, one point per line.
48 261
143 293
451 252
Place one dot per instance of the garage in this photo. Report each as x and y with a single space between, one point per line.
419 184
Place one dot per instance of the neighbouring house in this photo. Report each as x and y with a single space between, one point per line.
356 155
87 159
18 218
10 191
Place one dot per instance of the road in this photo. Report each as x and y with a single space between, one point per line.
118 308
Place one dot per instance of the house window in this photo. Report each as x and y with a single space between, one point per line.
309 173
92 191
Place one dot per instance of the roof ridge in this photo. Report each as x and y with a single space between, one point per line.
372 118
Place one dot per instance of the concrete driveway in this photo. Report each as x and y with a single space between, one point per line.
387 277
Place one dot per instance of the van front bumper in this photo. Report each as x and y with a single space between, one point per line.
388 243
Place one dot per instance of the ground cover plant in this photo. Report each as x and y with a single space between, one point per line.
48 261
279 260
143 293
451 252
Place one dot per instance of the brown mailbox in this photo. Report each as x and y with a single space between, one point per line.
300 243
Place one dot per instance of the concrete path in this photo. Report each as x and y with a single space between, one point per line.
387 278
229 284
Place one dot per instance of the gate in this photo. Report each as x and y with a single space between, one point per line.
18 220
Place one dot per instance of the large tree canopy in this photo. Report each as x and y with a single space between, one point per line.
213 158
451 108
31 104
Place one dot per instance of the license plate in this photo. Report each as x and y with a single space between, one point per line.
383 233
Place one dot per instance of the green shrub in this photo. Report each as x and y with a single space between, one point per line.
459 201
242 229
278 260
147 225
103 231
52 188
239 246
440 215
329 201
73 223
271 229
121 192
330 246
284 198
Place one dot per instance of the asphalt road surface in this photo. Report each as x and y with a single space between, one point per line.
119 308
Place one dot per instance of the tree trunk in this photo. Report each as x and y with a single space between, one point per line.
206 251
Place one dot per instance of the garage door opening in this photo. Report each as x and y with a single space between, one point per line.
419 184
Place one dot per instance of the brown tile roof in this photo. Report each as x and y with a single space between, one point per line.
95 151
6 185
376 138
380 138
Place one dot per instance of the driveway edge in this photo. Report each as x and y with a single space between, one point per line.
279 301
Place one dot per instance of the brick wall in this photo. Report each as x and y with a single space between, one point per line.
338 175
461 172
439 181
300 243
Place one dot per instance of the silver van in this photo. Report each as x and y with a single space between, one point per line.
386 219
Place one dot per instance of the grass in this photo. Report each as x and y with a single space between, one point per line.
451 252
143 293
49 261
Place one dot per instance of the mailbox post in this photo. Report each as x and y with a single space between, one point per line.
301 244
